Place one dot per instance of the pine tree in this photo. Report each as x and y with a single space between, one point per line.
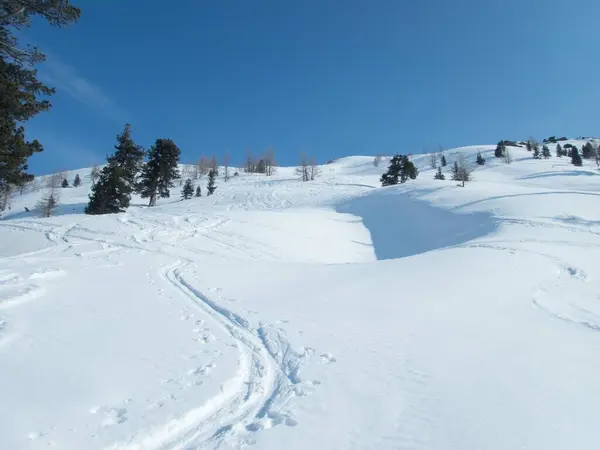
160 171
188 190
400 170
211 183
77 181
500 149
128 156
536 152
529 146
198 191
575 157
588 151
460 171
20 90
559 151
65 183
480 159
546 152
455 172
443 159
110 194
439 175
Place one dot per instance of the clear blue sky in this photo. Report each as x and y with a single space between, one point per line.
328 77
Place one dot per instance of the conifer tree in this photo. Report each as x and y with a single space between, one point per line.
500 149
559 151
198 191
576 157
536 152
546 152
588 151
188 190
211 183
128 156
160 171
77 181
110 194
400 170
65 183
439 175
529 146
460 171
443 160
480 159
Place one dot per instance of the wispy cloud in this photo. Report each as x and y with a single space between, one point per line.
66 77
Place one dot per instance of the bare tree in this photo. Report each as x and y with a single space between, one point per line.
194 172
377 160
47 204
226 160
314 170
303 169
507 156
461 170
269 161
185 173
214 165
250 163
95 174
54 181
203 165
433 160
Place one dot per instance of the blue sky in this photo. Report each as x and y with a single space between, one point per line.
327 77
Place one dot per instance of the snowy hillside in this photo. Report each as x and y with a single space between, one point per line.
331 314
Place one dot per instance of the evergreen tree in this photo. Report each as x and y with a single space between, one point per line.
588 151
19 87
188 190
443 159
480 159
559 151
546 152
500 148
261 167
536 152
160 171
110 194
439 175
575 157
400 170
455 172
211 183
77 181
128 156
198 191
65 183
460 171
529 146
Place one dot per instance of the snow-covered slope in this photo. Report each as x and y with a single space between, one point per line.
332 314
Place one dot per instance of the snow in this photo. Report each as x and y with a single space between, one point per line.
332 314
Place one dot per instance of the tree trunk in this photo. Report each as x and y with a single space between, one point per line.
152 200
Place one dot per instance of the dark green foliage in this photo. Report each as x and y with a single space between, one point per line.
588 151
400 170
561 139
568 146
439 175
211 183
198 191
576 157
110 194
128 156
77 181
260 167
546 152
461 172
559 151
160 171
500 148
480 159
536 151
568 152
188 190
19 87
550 140
444 163
65 183
529 146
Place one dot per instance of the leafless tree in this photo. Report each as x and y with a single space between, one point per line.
314 170
54 180
377 160
433 160
250 163
203 165
463 170
47 204
95 174
185 173
303 169
507 156
214 165
269 161
226 161
194 172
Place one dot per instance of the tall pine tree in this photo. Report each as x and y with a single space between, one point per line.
546 152
211 183
559 151
588 151
128 156
500 149
110 194
400 170
443 159
160 171
576 157
19 87
77 181
439 175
